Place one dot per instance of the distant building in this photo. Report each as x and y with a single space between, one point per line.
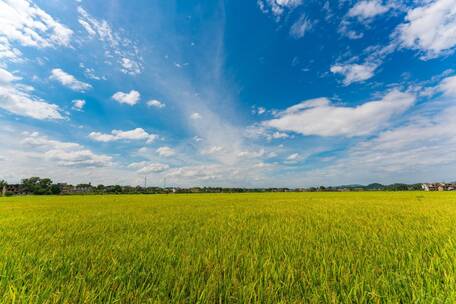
65 188
14 189
439 186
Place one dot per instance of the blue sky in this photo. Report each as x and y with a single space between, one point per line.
231 93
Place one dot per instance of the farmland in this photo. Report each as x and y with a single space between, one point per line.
229 248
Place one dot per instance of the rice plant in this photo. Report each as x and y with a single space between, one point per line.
372 247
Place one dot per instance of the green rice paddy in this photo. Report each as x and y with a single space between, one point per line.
370 247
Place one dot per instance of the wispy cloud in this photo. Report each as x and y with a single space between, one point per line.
277 7
124 50
300 27
368 9
19 100
354 72
69 80
156 103
23 22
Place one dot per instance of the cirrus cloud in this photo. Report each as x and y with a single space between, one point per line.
69 80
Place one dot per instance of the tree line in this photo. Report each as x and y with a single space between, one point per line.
45 186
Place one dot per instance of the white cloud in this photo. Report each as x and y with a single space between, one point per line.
7 77
130 67
195 116
448 86
87 27
116 135
279 135
130 98
300 27
252 154
262 165
354 72
368 9
18 100
260 131
22 103
8 52
212 150
324 119
430 28
79 104
219 174
181 65
422 150
200 172
308 104
277 7
344 29
293 156
425 145
155 103
69 80
166 151
364 11
23 22
147 167
65 153
90 72
124 50
258 110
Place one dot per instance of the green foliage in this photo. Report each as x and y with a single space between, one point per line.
37 185
55 189
368 247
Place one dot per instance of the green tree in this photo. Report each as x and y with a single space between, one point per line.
37 185
55 189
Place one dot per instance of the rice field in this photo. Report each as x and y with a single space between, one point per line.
371 247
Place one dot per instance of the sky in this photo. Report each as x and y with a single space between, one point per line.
250 93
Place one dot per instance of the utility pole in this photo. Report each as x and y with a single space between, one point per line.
145 182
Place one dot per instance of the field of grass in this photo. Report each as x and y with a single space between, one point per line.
229 248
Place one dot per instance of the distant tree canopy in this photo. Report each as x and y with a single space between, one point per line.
44 186
38 186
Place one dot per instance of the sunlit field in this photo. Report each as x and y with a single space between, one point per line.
229 248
